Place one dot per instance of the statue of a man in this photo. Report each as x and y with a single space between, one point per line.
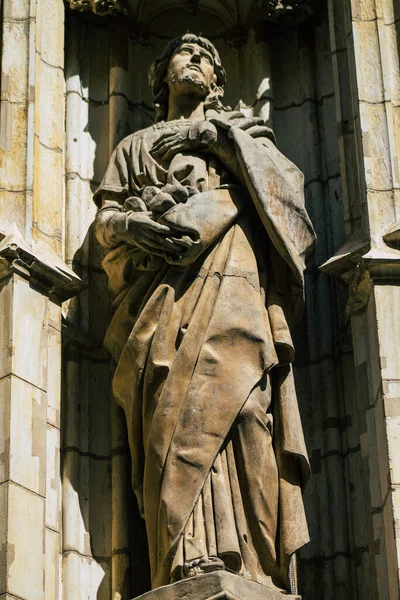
208 237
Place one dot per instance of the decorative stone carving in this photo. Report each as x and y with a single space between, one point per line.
358 265
274 11
99 7
44 271
208 236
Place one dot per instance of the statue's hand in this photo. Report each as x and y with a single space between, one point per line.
199 136
149 235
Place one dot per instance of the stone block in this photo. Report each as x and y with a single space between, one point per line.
219 585
12 207
389 576
51 29
50 101
363 10
84 577
387 299
54 376
14 66
48 198
17 10
76 494
5 394
377 160
27 442
392 411
23 344
382 211
25 541
3 536
369 69
79 194
13 151
53 482
55 316
53 565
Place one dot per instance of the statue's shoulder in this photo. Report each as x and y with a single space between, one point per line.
134 137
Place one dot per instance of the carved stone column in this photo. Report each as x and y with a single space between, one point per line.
33 283
368 98
32 286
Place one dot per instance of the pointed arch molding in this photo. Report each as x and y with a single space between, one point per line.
230 15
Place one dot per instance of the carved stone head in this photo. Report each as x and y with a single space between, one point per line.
172 67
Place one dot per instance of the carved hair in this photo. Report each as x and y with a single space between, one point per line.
159 68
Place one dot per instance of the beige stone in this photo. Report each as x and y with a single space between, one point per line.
15 61
376 147
27 446
48 197
53 479
369 69
5 392
363 10
54 375
387 298
25 538
26 310
12 209
75 490
53 565
83 576
51 33
3 536
50 106
17 9
13 156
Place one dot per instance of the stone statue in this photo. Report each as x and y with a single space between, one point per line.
208 237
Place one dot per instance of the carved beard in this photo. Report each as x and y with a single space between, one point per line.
189 79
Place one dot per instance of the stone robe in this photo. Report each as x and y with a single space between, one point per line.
203 352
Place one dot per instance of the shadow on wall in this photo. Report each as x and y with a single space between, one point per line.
104 538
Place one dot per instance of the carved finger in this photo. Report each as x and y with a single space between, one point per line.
247 122
158 227
257 131
162 243
174 149
150 249
164 139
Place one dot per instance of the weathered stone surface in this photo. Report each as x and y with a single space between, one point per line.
198 485
219 586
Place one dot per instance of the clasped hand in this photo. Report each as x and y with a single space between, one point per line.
153 237
200 135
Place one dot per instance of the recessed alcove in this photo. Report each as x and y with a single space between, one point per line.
285 76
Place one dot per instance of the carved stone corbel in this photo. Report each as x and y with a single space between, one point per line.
358 266
45 271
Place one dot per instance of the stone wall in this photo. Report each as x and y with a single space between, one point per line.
330 88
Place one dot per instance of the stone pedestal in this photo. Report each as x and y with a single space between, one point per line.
219 585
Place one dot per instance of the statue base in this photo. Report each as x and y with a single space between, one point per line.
219 585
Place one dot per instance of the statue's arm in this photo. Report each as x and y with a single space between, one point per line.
110 222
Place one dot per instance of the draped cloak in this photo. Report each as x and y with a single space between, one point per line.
197 343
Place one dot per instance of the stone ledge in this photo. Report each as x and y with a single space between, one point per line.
44 270
219 585
359 266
